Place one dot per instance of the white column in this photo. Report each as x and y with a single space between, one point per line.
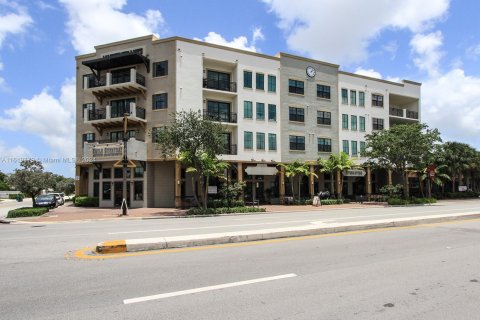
404 114
85 82
133 109
85 115
133 75
108 79
109 112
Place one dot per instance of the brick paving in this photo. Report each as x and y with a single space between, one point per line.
68 212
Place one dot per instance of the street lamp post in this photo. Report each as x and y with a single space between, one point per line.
124 165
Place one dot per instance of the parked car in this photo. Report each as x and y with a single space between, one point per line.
60 199
46 200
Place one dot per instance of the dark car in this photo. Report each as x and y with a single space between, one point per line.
47 200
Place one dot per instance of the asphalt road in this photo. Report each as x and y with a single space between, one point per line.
412 273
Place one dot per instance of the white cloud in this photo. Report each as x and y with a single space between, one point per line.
451 103
15 152
368 72
240 42
391 48
51 118
473 52
427 48
341 31
93 22
15 20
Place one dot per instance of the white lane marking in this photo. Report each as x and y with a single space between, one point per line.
209 288
210 227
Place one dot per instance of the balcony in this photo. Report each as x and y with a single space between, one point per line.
103 118
215 84
116 84
113 151
402 115
230 149
227 117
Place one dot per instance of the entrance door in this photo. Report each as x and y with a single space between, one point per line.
118 191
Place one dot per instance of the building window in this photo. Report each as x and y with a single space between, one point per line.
138 172
138 190
260 81
107 191
362 147
90 107
260 111
344 121
324 117
377 124
362 124
247 109
297 142
260 141
120 76
219 111
107 173
323 91
155 132
120 107
247 79
377 100
353 97
361 99
272 83
344 96
272 112
296 86
354 148
248 140
324 145
345 147
353 125
91 81
160 69
296 114
160 101
118 173
96 174
272 141
96 189
89 137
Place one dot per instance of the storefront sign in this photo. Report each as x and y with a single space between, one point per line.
261 170
212 190
462 188
354 173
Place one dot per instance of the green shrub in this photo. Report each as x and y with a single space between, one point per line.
222 203
26 212
327 202
215 211
14 196
393 201
82 201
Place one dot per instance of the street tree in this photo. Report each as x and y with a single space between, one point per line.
31 179
4 186
336 164
196 142
459 158
402 147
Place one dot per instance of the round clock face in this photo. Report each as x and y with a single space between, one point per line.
311 72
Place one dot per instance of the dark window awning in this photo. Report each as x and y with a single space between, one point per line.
117 60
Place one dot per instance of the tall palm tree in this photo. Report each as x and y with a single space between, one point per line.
296 169
328 166
337 164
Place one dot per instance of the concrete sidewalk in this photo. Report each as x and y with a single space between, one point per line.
68 212
134 245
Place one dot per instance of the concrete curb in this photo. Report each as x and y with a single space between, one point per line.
160 243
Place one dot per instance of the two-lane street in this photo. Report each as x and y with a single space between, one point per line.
424 272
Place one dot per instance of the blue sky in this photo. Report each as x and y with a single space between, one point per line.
436 42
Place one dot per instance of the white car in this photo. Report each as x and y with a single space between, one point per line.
59 198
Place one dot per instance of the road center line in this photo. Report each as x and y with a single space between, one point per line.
204 289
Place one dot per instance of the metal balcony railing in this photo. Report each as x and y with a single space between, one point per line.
97 114
412 114
396 112
140 80
230 117
220 85
230 149
140 112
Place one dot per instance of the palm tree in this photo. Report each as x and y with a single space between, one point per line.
458 157
439 178
328 166
295 169
337 164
